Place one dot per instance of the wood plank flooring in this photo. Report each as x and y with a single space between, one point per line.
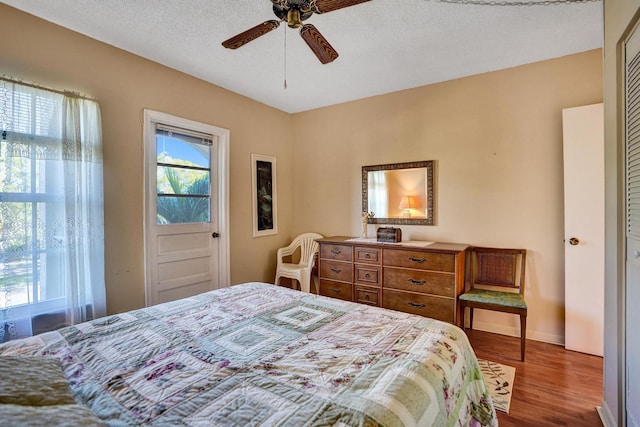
553 387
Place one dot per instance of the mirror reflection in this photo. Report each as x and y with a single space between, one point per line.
399 193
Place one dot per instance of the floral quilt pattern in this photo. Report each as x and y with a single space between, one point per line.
260 355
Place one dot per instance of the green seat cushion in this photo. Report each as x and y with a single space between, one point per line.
507 299
34 381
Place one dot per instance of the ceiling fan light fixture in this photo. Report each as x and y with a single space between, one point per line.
293 18
296 11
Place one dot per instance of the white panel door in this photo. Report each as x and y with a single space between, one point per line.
185 233
583 136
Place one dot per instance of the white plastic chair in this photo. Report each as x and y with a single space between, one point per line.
301 271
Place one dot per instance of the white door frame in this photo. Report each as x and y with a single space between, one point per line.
149 134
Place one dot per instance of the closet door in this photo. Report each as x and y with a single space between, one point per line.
632 267
583 149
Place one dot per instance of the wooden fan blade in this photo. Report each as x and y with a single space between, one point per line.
318 44
324 6
251 34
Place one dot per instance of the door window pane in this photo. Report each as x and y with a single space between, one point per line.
182 150
173 180
179 210
182 178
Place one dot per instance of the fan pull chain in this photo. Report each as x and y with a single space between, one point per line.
285 57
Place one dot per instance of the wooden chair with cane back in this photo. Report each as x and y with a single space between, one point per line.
497 283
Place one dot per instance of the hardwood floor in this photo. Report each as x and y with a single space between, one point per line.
553 387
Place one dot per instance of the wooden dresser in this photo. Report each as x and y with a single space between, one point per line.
423 280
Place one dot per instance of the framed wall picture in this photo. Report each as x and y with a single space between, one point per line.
264 196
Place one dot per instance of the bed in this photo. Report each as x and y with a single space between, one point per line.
259 354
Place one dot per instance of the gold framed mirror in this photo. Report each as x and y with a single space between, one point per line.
399 193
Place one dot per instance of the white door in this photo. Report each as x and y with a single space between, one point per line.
583 136
632 270
186 242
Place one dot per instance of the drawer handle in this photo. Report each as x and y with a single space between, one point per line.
416 282
336 270
367 256
367 276
418 260
335 291
336 251
367 297
413 304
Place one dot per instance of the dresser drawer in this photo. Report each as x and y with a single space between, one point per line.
426 282
339 290
336 252
369 296
424 305
367 274
420 260
336 270
367 255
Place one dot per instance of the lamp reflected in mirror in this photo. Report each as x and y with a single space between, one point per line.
406 204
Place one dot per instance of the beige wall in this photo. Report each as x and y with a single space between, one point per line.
496 139
618 16
497 142
125 85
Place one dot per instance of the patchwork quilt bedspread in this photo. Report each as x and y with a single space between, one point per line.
260 355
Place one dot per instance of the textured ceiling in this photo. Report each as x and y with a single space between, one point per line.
384 45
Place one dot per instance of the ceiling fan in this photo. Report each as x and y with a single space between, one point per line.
294 12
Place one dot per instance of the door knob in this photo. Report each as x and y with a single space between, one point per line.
215 235
574 241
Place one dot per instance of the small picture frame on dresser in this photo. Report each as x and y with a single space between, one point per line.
264 195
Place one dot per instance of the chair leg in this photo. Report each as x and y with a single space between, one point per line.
462 312
523 334
304 284
277 280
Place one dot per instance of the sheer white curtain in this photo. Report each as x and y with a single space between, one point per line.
51 210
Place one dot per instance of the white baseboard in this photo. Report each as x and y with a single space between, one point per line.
605 415
515 332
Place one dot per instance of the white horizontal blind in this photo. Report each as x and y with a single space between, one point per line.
188 135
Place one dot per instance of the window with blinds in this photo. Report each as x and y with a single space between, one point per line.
31 197
183 175
51 209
